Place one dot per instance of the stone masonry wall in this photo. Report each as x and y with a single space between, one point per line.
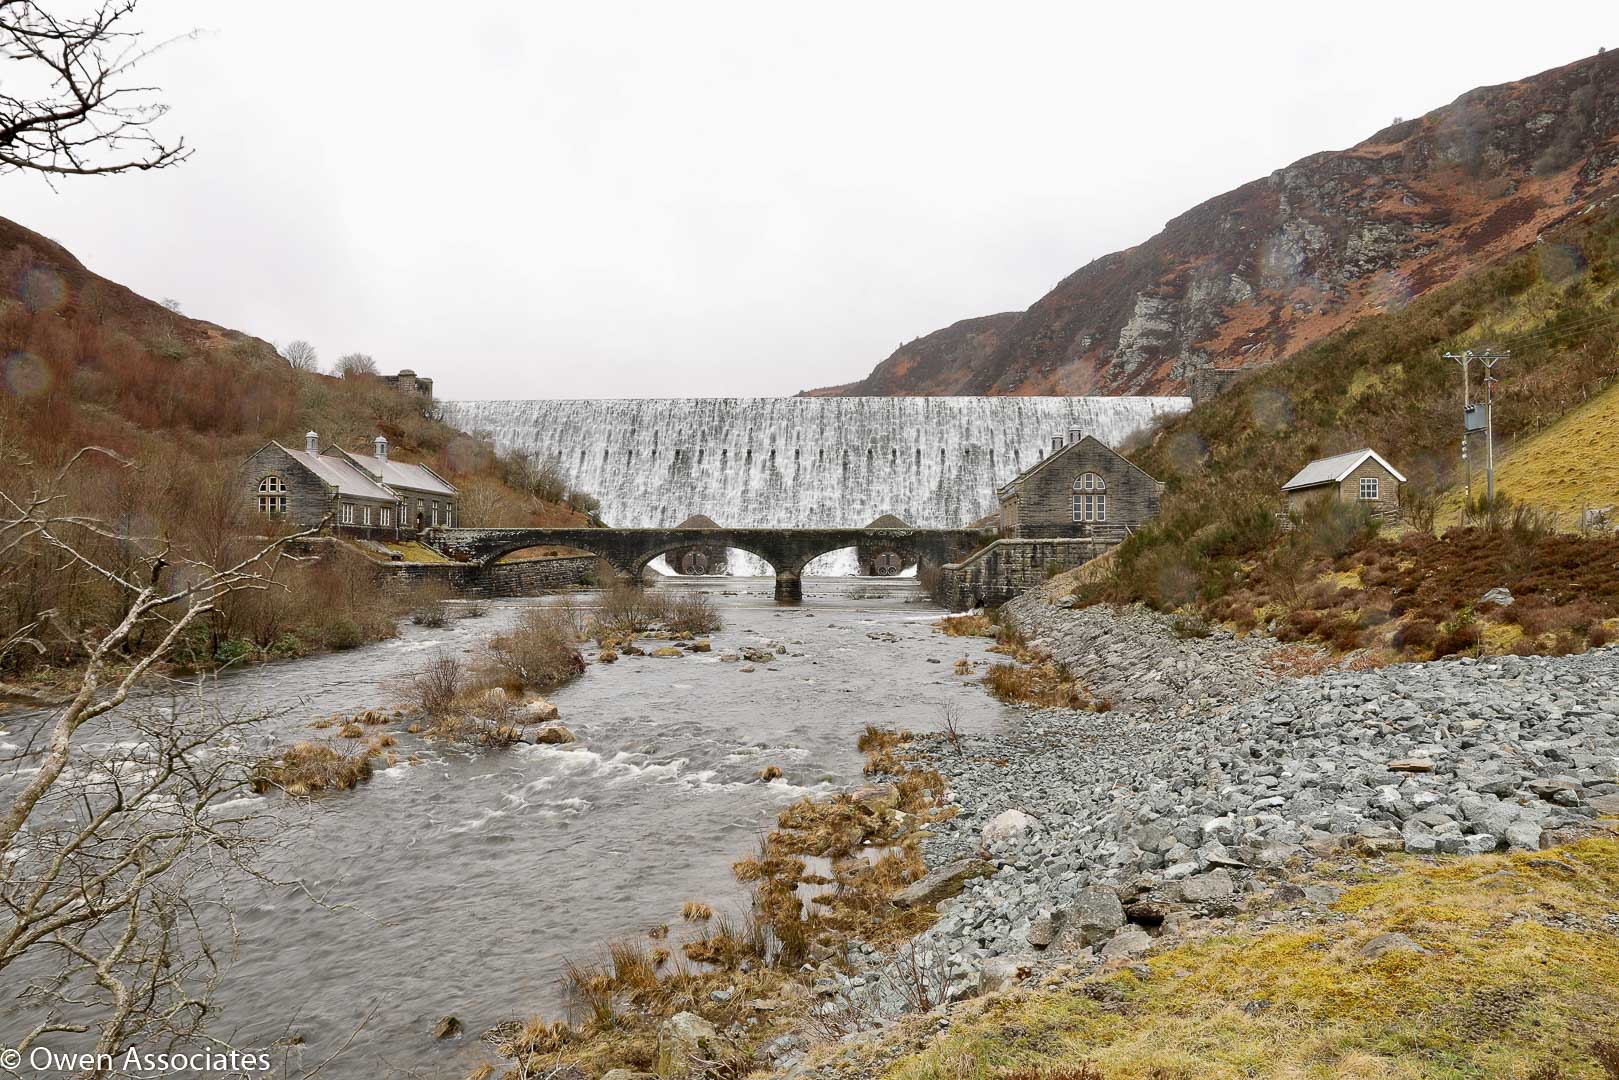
529 577
1046 498
1006 568
307 498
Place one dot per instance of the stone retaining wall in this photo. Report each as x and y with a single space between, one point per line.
528 577
999 572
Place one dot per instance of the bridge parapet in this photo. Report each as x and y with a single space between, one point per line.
787 551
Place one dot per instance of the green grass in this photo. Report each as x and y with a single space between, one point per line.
1521 980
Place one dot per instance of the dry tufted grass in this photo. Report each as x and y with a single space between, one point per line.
1520 982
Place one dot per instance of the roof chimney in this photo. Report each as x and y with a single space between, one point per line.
381 444
1075 434
311 442
1056 443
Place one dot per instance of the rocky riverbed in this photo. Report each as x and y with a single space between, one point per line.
1085 838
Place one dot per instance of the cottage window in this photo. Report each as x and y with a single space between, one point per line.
1368 488
273 496
1090 497
346 514
366 517
385 516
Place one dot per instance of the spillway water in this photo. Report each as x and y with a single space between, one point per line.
936 461
799 461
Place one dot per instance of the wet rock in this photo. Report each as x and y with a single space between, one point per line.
556 733
700 645
448 1027
540 711
607 656
666 652
633 650
756 655
729 658
747 669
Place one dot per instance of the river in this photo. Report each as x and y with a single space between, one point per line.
459 885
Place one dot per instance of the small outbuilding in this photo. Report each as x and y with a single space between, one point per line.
1360 477
1083 488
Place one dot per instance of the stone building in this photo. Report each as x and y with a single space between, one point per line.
1361 477
363 494
1082 489
410 382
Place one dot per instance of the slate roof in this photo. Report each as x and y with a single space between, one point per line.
1332 470
398 474
1011 486
340 474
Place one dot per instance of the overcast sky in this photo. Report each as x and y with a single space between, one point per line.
614 200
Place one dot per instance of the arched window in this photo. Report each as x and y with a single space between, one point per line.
1090 497
273 496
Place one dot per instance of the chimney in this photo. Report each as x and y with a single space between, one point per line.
1056 443
1075 434
381 444
311 442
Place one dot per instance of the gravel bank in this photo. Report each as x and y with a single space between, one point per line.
1107 832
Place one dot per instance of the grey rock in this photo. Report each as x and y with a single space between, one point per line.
940 884
1215 885
1127 942
1383 944
1093 915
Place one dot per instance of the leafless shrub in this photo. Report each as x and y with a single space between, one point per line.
435 688
693 613
951 720
538 654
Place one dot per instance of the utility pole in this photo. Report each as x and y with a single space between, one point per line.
1489 360
1465 359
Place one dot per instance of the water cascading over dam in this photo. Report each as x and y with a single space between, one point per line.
933 461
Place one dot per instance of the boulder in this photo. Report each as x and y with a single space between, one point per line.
1093 916
941 883
1009 828
1127 942
556 733
1523 836
1000 972
1215 885
666 652
540 711
1411 765
1498 595
448 1027
700 645
1605 805
684 1040
1383 944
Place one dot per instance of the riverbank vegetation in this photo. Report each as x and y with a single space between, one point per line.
176 404
1501 973
825 876
1031 677
1217 551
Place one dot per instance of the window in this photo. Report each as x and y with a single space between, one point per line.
346 514
449 510
273 496
385 516
435 513
367 514
1090 497
1368 488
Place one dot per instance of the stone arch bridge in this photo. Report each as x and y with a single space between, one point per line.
787 551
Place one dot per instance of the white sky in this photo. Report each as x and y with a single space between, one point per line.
703 199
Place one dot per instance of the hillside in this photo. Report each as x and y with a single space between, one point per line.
1569 467
88 362
1257 274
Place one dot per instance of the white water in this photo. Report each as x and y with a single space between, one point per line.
932 461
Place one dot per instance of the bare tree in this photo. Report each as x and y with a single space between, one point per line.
113 842
301 356
356 364
70 106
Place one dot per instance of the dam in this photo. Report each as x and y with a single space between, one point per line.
799 462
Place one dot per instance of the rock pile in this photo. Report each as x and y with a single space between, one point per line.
1135 659
1105 830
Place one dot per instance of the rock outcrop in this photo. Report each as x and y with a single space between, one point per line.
1251 276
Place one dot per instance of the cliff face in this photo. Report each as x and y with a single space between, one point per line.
1250 276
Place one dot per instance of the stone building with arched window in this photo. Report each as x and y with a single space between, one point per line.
365 494
1082 488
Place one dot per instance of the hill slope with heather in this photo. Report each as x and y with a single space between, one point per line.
1253 276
